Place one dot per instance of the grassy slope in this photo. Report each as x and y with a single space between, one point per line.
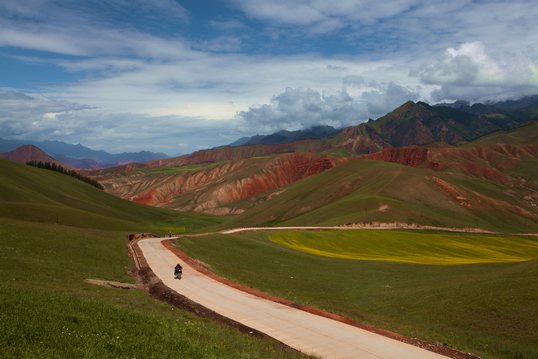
526 133
488 309
38 195
366 191
55 314
35 194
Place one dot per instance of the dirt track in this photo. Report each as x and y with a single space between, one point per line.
157 260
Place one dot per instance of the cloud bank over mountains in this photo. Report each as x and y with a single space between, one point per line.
297 109
470 73
176 76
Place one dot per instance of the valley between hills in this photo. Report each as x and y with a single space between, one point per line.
418 167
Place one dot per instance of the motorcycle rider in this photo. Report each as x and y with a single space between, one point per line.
178 269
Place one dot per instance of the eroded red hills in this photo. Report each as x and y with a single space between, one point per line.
412 157
206 189
481 177
231 187
493 162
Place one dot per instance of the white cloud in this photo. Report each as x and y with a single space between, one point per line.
297 109
387 97
470 72
28 117
89 28
482 93
321 14
468 65
201 84
353 80
21 114
132 63
220 44
403 30
284 12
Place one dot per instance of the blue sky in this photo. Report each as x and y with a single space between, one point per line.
178 76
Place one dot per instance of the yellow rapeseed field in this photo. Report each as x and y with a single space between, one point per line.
411 247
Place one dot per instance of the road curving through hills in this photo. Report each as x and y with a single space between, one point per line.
302 330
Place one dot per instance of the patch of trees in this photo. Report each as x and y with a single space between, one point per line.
58 168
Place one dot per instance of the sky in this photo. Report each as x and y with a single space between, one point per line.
178 76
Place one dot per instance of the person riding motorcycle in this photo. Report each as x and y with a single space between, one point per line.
178 269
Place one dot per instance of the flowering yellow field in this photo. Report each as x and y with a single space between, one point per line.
411 247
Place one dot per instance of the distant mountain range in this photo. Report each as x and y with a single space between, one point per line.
418 124
314 133
412 124
80 156
29 153
506 114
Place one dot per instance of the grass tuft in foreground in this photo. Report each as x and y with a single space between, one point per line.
48 325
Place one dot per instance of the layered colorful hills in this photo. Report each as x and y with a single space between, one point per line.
485 184
418 164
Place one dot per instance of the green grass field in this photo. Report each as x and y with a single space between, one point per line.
47 310
488 309
189 223
173 170
411 247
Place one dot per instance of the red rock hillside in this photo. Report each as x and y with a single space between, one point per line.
411 157
208 189
499 163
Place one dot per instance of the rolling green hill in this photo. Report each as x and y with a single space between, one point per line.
369 191
56 232
37 195
526 133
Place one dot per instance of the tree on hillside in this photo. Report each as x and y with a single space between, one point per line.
65 171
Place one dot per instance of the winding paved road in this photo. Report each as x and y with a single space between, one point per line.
309 333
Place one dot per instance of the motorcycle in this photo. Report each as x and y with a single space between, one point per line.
178 274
